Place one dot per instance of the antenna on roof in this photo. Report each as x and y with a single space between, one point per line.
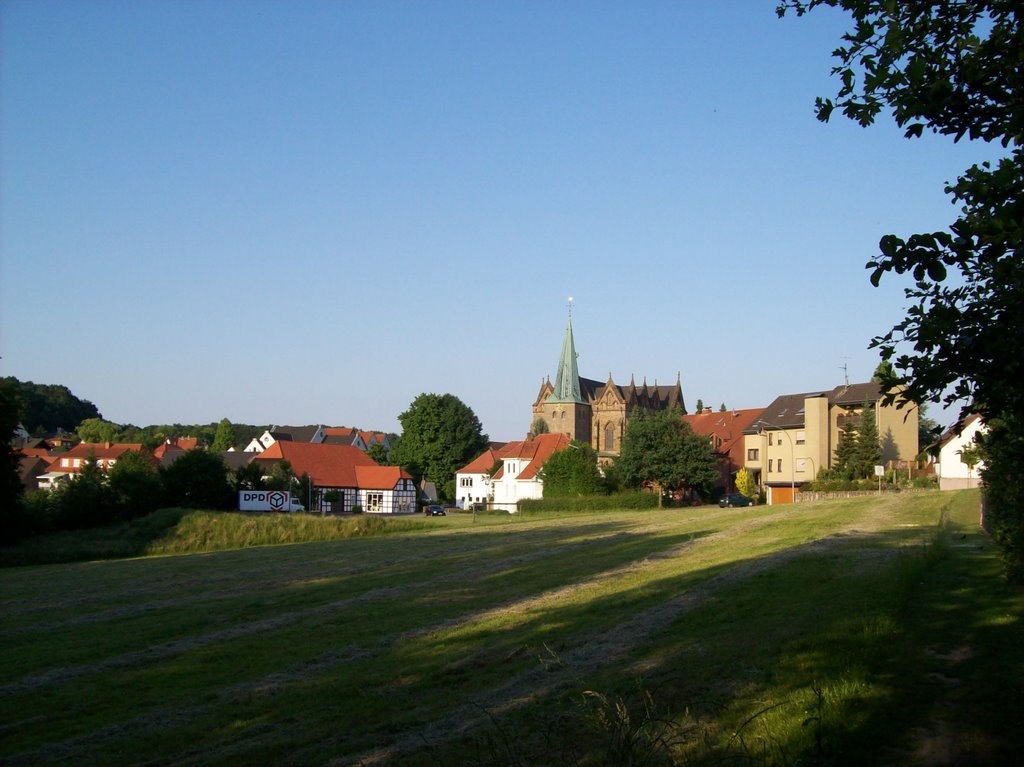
846 375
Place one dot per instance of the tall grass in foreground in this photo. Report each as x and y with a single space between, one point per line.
835 632
181 531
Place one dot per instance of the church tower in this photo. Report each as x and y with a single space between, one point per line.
596 412
562 406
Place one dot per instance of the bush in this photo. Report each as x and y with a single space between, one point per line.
837 485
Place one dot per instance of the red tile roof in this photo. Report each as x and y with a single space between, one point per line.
104 453
327 465
536 451
338 431
105 450
727 425
37 452
167 447
379 477
481 464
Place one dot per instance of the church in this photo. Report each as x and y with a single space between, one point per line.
595 412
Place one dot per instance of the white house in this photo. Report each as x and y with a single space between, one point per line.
518 479
473 481
953 473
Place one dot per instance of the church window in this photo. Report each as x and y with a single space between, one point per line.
609 437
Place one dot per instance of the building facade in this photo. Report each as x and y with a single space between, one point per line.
797 435
953 472
593 412
725 432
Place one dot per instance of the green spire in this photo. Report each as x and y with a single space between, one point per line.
567 381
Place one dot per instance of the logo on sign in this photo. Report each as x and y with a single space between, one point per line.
277 499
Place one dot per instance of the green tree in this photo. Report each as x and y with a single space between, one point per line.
746 484
883 372
572 472
48 408
378 453
249 477
540 426
1003 446
440 434
98 430
970 456
844 460
928 429
135 486
84 500
661 450
280 477
10 480
952 67
197 480
224 438
869 446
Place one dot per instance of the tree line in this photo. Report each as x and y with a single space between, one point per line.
135 486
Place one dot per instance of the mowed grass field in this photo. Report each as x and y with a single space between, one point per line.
865 631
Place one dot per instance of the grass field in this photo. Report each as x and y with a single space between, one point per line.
865 631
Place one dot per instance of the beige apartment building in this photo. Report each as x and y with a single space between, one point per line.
797 435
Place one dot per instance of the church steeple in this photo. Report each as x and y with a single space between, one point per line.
567 380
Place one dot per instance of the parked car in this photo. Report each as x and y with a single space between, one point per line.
434 510
736 499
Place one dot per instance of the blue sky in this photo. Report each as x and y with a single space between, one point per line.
312 212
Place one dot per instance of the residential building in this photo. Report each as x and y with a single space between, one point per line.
473 481
797 435
347 471
30 467
518 477
363 439
173 448
106 455
596 413
953 473
64 465
724 430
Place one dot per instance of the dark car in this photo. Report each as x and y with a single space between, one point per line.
736 499
435 511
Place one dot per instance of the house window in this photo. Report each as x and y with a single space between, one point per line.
770 439
800 436
466 482
375 502
780 466
76 463
65 462
752 454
